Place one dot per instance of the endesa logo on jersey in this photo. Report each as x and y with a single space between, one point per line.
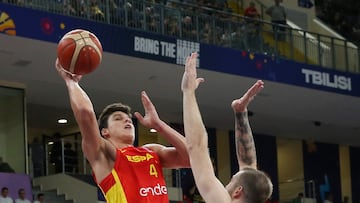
139 158
156 190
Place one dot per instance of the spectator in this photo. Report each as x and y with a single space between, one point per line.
206 33
299 198
56 153
22 197
4 198
40 198
172 27
95 12
251 11
239 37
278 18
5 167
37 157
188 28
253 28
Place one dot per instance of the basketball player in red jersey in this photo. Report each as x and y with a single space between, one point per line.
126 174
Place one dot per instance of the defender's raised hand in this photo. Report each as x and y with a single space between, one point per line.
240 105
190 82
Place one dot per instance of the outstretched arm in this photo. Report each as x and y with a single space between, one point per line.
245 145
171 157
208 185
84 115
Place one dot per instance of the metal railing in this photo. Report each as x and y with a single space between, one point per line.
65 155
207 25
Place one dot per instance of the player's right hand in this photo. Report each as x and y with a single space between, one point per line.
66 75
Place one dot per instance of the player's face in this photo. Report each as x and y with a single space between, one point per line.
120 124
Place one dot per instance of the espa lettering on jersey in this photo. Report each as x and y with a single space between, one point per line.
139 158
156 190
179 50
326 79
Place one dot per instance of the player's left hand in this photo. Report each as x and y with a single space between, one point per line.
151 118
240 105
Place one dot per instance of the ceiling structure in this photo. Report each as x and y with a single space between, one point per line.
281 110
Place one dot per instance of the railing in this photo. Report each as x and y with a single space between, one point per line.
206 25
64 155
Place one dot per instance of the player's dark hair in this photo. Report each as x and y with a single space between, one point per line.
110 109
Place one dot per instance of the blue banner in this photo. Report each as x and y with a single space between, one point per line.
120 40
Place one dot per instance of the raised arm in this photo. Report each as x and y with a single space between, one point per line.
245 146
171 157
208 185
84 114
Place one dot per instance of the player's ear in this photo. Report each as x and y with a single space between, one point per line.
238 192
105 133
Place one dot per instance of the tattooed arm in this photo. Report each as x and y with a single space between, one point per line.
245 145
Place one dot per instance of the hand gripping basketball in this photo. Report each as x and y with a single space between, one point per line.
79 52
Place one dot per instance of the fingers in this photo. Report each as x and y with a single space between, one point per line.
240 105
256 88
191 61
198 81
139 117
57 64
145 99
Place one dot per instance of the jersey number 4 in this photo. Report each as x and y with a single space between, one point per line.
153 171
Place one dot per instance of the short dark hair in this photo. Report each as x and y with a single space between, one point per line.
4 188
21 190
40 195
110 109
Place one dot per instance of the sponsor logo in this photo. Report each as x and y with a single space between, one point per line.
139 158
326 79
156 190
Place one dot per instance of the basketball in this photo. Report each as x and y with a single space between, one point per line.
79 52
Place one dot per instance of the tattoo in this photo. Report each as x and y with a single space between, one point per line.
245 146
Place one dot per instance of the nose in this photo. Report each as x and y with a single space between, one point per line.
128 120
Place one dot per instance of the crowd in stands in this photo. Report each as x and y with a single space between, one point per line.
180 18
343 16
218 22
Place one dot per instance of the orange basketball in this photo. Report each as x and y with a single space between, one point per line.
79 52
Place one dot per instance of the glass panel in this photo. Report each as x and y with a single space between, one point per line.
12 128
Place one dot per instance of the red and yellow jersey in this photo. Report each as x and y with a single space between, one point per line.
136 178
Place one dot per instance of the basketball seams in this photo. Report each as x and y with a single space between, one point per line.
87 41
82 50
64 51
90 40
76 37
